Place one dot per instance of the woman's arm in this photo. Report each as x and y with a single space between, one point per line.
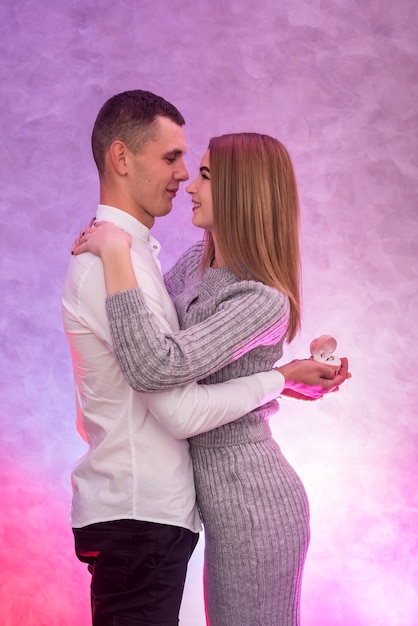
247 315
112 244
250 315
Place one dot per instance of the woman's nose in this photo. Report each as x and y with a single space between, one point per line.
191 187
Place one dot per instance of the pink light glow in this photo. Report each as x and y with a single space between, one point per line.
336 82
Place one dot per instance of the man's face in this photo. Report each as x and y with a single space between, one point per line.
158 171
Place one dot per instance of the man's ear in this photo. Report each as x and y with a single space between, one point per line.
118 155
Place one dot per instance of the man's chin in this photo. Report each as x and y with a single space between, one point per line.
164 211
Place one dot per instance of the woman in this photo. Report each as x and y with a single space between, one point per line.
237 296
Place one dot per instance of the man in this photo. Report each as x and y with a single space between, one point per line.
134 516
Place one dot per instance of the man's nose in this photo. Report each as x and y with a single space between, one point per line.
182 173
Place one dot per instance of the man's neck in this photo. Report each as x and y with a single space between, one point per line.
124 204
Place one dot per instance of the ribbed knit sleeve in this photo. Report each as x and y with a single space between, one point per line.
236 318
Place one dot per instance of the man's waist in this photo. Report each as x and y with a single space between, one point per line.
165 498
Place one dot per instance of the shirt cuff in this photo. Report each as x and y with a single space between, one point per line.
271 384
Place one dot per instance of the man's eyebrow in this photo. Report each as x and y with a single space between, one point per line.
175 152
204 169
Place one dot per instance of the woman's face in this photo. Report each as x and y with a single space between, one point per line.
201 191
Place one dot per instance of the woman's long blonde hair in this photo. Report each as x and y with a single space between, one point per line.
256 214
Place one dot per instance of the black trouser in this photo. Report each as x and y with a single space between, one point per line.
138 571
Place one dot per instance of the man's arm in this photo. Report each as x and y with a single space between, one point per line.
193 409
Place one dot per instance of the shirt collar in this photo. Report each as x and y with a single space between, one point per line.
127 222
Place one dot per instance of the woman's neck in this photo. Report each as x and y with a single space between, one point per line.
217 261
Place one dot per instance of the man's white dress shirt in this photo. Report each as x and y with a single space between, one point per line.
138 465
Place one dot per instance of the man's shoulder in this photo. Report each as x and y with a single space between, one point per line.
84 276
83 265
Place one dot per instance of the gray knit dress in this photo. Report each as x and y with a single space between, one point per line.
254 507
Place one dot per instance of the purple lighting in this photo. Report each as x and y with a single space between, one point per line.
336 82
